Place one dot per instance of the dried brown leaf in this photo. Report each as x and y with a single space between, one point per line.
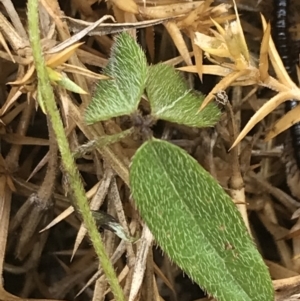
140 264
170 10
5 201
179 42
208 69
198 55
61 57
284 123
296 214
12 36
150 35
23 140
59 218
126 5
263 56
16 93
110 28
79 35
83 71
262 113
223 84
193 16
26 78
293 234
5 46
95 204
69 210
163 277
276 61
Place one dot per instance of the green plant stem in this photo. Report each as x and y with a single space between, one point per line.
47 95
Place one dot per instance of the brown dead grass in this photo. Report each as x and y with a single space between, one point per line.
33 189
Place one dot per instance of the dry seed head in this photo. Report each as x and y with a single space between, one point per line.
236 44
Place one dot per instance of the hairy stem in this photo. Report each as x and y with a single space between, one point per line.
80 200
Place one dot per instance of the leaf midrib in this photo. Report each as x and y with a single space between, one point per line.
195 220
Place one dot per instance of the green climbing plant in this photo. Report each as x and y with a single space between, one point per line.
191 217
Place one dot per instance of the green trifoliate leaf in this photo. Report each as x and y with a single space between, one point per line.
196 223
121 95
172 100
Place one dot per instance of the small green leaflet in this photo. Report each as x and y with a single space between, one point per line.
121 95
196 223
172 100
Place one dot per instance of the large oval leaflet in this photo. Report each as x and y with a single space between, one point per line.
196 223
